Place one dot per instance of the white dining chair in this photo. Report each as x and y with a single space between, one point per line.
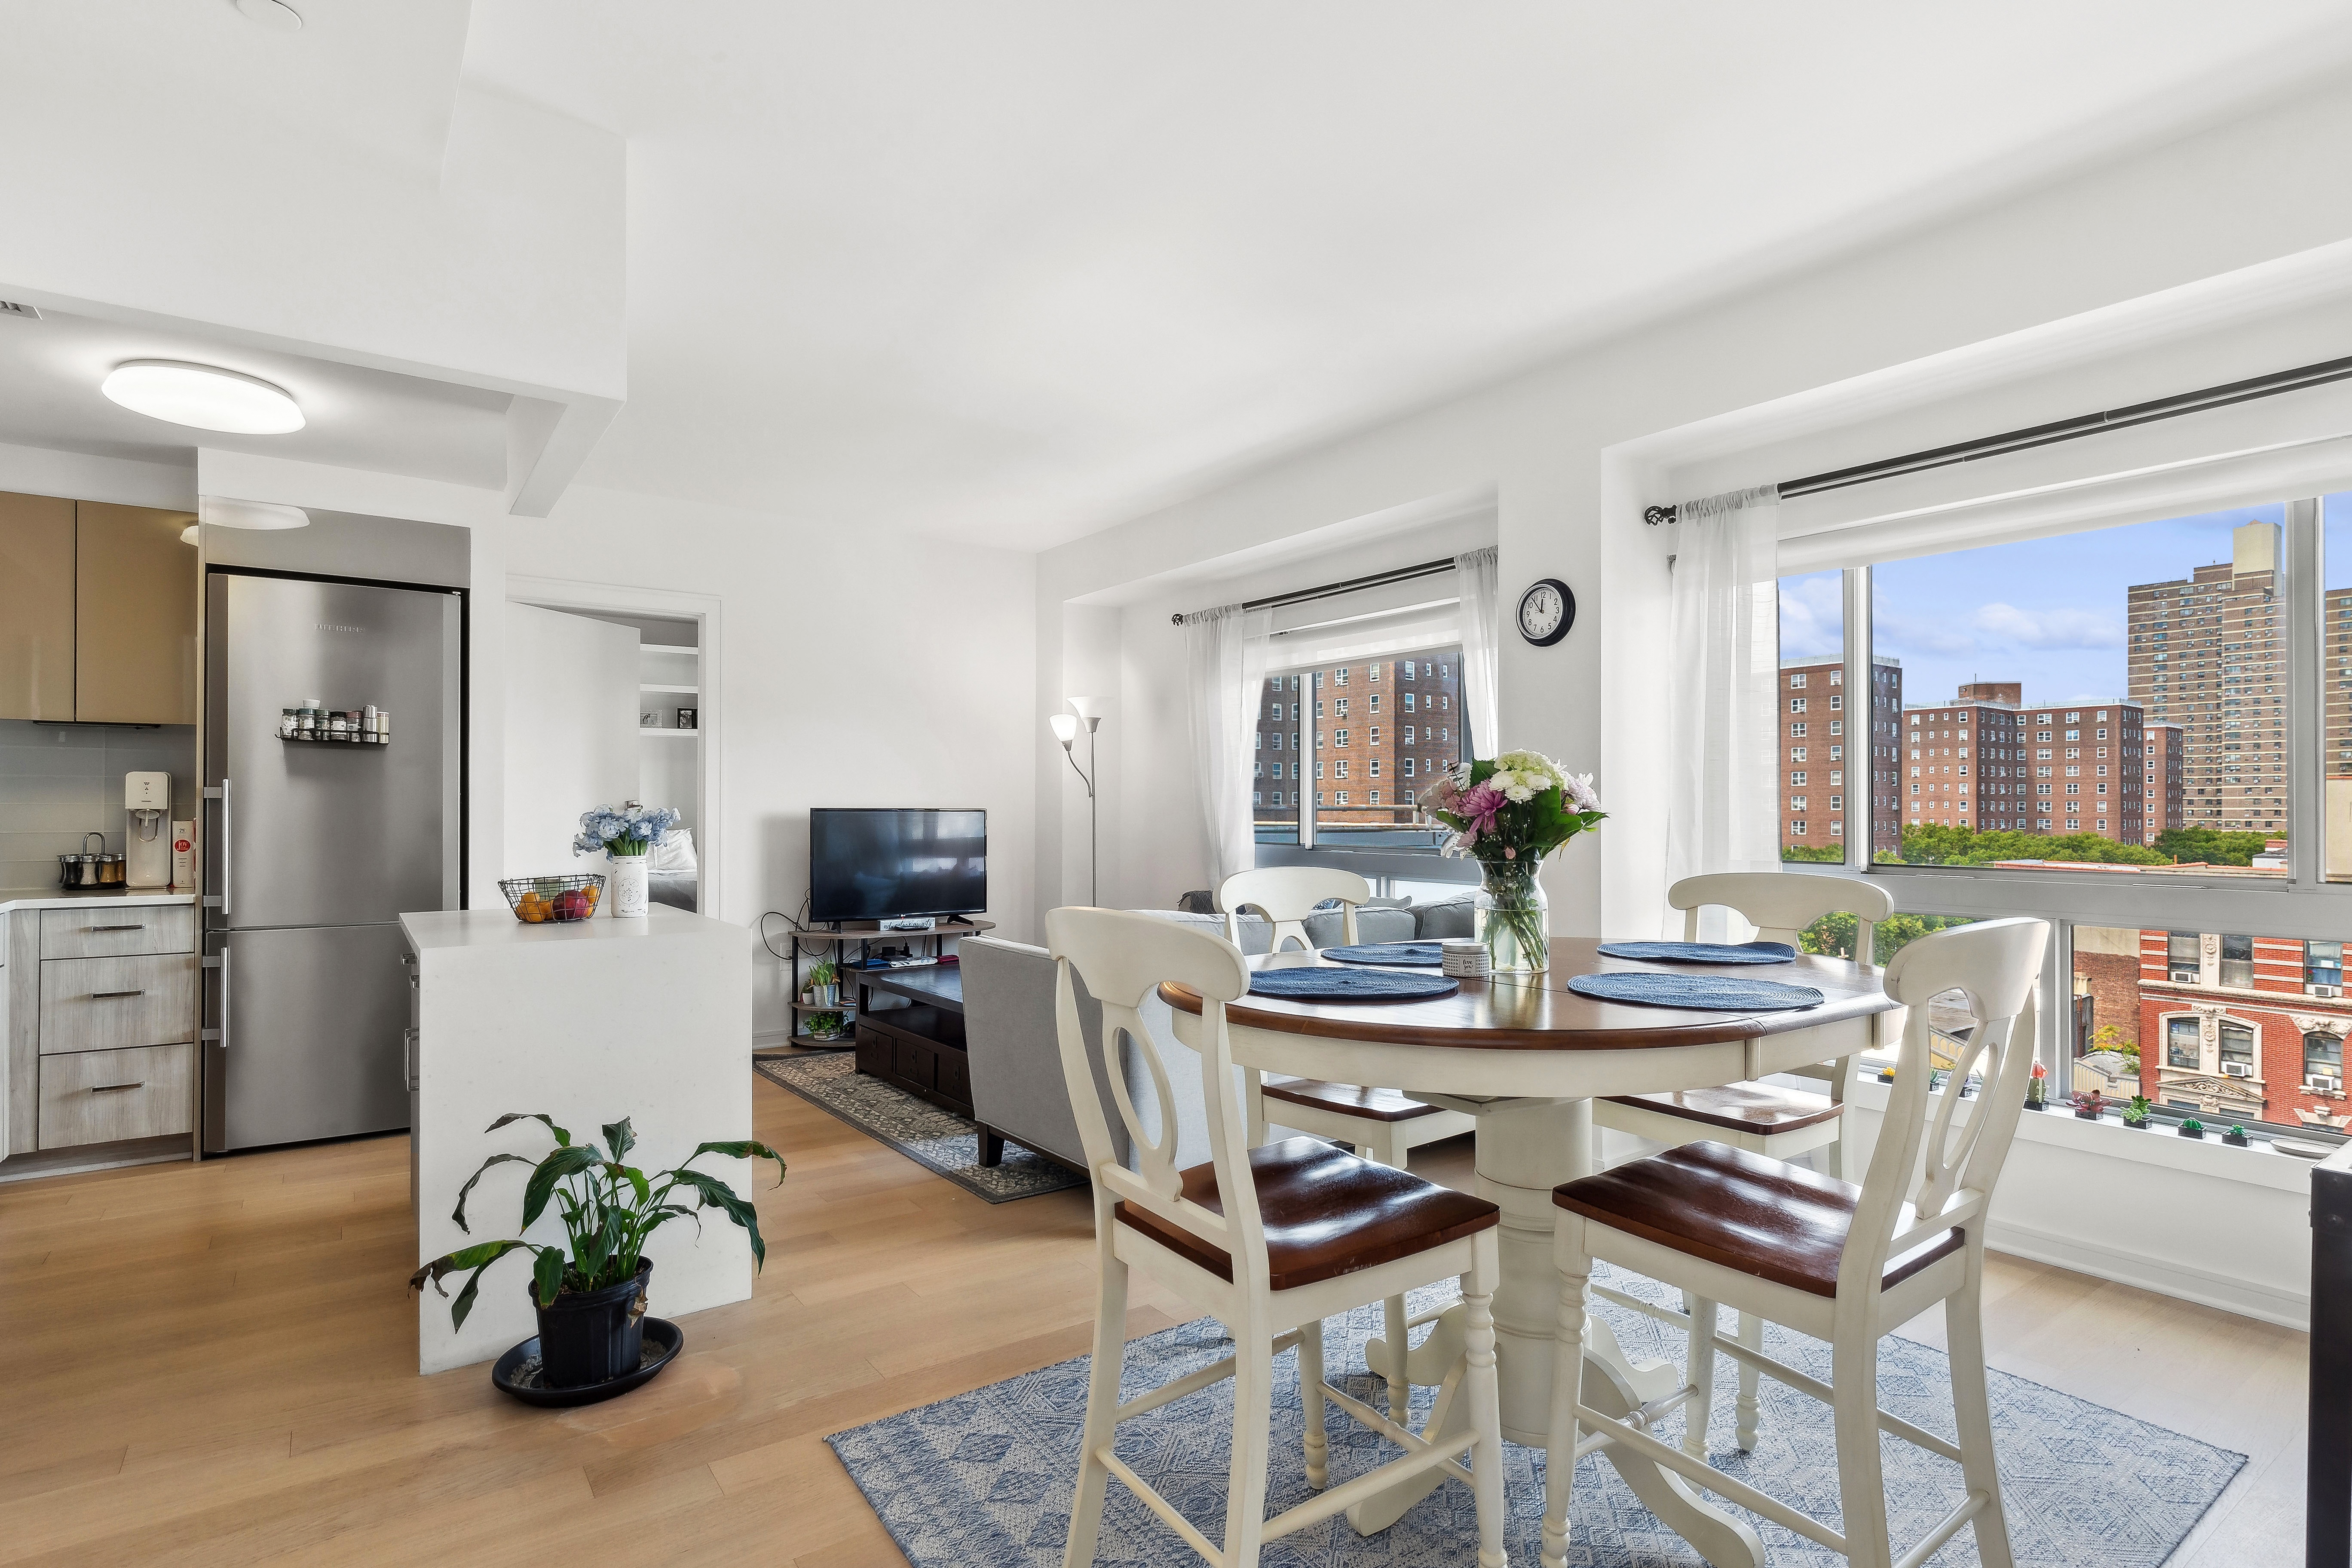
1837 1262
1761 1118
1269 1241
1378 1123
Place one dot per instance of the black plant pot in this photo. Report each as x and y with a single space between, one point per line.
2192 1133
2139 1126
2086 1116
2035 1104
593 1336
2237 1141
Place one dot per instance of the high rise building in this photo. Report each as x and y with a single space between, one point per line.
1354 741
2208 655
2160 809
1819 751
1984 762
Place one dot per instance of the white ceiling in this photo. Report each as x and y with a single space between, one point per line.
1022 269
357 417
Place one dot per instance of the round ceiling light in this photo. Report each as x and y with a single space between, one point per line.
202 395
272 15
226 512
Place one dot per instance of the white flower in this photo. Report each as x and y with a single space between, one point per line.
1515 786
1579 790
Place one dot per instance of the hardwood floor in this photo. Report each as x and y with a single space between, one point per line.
215 1364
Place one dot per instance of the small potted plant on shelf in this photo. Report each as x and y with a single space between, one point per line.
2192 1128
2136 1113
589 1293
2088 1103
823 983
826 1026
2236 1137
2037 1088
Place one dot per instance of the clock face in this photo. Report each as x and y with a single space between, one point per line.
1546 611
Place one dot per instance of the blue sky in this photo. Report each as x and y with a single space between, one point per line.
2047 612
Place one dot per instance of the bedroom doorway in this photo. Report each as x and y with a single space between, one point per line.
661 706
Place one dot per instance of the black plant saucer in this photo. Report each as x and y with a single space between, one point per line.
517 1372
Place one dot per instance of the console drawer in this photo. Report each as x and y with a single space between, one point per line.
105 1003
104 1097
103 930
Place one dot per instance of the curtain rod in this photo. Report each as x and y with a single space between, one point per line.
2072 429
1377 579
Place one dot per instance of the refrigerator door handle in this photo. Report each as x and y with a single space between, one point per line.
220 792
223 1016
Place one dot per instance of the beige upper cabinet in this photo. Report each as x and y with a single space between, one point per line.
36 607
135 616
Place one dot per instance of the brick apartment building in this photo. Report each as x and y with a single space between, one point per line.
1816 757
2209 654
2160 805
1357 738
1986 761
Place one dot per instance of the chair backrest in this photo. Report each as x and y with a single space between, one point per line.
1781 904
1123 959
1994 966
1286 895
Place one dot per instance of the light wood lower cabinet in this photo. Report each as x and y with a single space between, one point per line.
99 1003
103 1097
98 931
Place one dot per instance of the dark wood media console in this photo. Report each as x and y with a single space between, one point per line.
919 1048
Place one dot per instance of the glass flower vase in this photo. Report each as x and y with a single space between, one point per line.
1513 918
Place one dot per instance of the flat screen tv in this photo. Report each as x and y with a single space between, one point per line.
877 863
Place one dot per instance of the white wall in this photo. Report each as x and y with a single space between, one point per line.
2243 194
572 733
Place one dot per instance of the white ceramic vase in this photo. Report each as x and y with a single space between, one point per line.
629 885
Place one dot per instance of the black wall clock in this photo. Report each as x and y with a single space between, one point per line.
1546 611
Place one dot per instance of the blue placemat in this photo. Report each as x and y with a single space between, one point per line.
1318 984
1411 954
1703 951
1706 993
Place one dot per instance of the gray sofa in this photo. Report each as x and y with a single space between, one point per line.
1011 1042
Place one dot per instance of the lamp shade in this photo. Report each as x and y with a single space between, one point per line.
1066 726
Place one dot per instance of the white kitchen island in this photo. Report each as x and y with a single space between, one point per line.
649 1019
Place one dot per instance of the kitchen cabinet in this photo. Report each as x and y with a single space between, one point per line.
135 657
36 607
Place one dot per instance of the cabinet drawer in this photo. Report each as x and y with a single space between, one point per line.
102 1096
102 1003
113 932
954 1076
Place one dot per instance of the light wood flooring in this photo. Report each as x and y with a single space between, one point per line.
215 1364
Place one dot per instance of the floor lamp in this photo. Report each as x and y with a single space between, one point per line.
1066 730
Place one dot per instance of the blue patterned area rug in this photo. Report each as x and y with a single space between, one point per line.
984 1479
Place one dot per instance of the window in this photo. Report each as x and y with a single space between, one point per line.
1343 676
2183 1047
2182 959
1348 656
1343 797
2323 1056
1373 673
2323 963
1375 698
2237 1048
1375 771
1340 707
1407 702
1374 738
2238 962
1340 769
1373 798
1339 737
1408 767
1796 705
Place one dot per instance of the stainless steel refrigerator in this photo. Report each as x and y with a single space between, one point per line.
315 849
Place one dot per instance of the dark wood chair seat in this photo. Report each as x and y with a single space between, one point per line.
1325 1213
1759 1108
1348 1099
1759 1215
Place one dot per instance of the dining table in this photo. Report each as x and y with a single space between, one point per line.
1526 1055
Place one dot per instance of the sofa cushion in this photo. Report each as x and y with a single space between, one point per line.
1444 918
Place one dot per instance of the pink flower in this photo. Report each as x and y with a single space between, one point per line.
1479 806
1509 853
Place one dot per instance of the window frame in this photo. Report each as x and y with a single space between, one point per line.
2296 905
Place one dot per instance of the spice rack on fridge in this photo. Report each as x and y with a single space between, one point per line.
314 724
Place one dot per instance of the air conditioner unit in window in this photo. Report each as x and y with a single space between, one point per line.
2323 1085
2328 991
2237 1069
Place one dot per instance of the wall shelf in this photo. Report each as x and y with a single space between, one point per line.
683 690
666 647
675 734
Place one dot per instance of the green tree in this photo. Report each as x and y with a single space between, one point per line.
1818 853
2210 846
1925 844
1834 935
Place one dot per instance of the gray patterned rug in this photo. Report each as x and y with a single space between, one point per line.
985 1479
937 1140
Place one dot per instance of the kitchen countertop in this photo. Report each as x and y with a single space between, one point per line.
442 928
51 899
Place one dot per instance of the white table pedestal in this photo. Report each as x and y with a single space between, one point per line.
1525 1148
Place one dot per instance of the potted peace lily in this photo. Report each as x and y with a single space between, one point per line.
624 832
1507 814
590 1292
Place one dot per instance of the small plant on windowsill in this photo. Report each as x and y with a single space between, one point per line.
2088 1103
2192 1128
2037 1088
2135 1114
2236 1138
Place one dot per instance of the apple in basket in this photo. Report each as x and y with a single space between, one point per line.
573 905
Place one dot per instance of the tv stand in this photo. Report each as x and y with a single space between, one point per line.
920 1048
848 941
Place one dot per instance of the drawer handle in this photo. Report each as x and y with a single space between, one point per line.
96 929
103 996
116 1088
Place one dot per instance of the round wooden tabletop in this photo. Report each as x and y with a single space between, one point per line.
1538 1012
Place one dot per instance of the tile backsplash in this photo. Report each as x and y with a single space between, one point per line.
58 782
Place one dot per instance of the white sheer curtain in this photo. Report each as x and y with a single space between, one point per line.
1723 800
1225 655
1482 705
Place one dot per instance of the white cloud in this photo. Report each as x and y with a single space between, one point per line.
1812 615
2048 628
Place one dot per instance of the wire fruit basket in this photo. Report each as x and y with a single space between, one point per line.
553 900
